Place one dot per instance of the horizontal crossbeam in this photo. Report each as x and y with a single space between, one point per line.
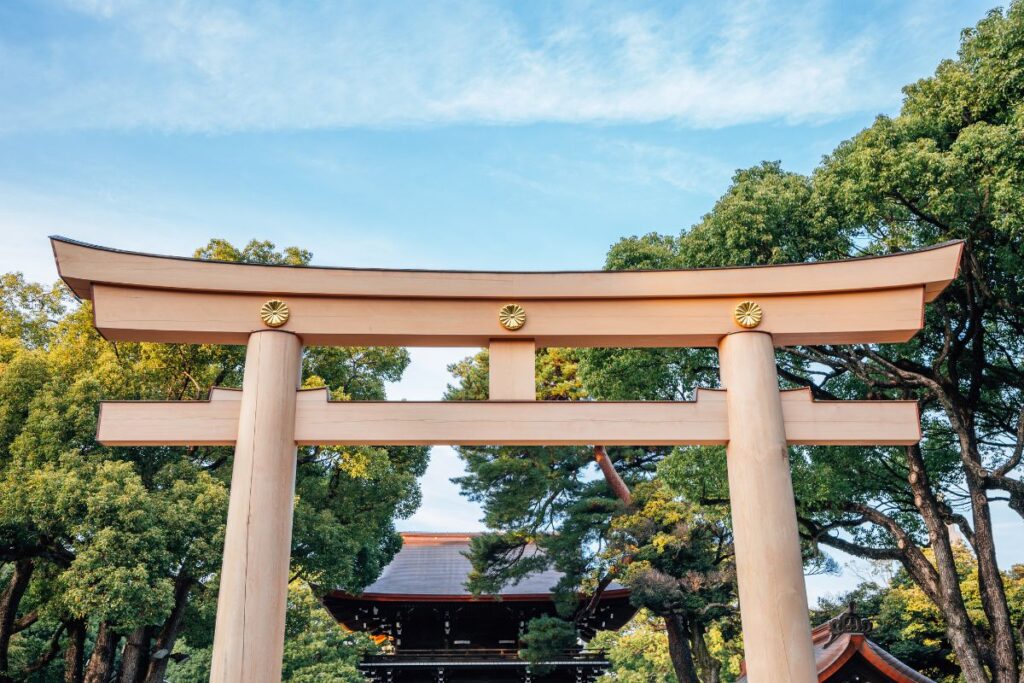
140 297
319 421
127 314
85 265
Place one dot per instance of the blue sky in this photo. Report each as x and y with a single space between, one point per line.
527 135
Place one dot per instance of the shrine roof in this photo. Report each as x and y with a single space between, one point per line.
433 567
834 648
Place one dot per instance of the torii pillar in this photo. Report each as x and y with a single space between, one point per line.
769 566
745 312
248 640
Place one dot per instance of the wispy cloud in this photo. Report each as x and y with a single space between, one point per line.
189 65
677 167
613 160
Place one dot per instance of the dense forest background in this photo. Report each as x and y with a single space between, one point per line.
109 558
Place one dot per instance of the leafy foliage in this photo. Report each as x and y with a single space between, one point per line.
125 543
949 166
639 651
316 649
910 626
546 638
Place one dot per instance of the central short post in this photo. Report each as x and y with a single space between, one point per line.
249 641
773 598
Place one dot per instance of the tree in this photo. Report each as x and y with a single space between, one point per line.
111 556
639 652
628 527
909 625
546 638
317 649
948 167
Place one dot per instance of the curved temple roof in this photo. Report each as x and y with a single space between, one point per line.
84 265
434 567
832 652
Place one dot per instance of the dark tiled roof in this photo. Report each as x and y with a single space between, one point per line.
434 564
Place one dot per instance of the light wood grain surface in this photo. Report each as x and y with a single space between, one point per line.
249 637
83 265
553 423
769 569
132 314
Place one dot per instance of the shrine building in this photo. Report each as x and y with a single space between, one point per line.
843 653
433 629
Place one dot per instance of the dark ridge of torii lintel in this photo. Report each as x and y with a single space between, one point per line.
83 265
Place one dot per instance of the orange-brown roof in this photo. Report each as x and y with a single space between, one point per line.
831 654
833 651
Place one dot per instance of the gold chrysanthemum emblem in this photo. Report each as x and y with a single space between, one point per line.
512 316
748 314
274 313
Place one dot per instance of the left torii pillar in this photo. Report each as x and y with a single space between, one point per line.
249 641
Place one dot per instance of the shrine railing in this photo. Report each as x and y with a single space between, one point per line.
413 656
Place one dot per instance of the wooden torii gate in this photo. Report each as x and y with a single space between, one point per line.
275 310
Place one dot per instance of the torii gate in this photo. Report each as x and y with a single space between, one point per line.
274 310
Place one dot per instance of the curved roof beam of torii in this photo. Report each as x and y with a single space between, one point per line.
83 265
139 297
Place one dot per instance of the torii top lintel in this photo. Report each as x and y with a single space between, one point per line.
142 297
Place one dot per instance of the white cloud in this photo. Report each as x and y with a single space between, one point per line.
193 66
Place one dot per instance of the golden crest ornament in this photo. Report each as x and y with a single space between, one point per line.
748 314
512 316
274 313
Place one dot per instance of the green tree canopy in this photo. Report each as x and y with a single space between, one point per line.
109 555
948 166
676 557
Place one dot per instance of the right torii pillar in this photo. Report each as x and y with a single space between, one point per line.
769 569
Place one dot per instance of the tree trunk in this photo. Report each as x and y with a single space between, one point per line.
679 649
168 635
101 663
950 601
135 656
9 601
708 667
993 593
74 653
611 476
961 409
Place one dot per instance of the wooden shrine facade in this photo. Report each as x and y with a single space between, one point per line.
275 310
433 629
